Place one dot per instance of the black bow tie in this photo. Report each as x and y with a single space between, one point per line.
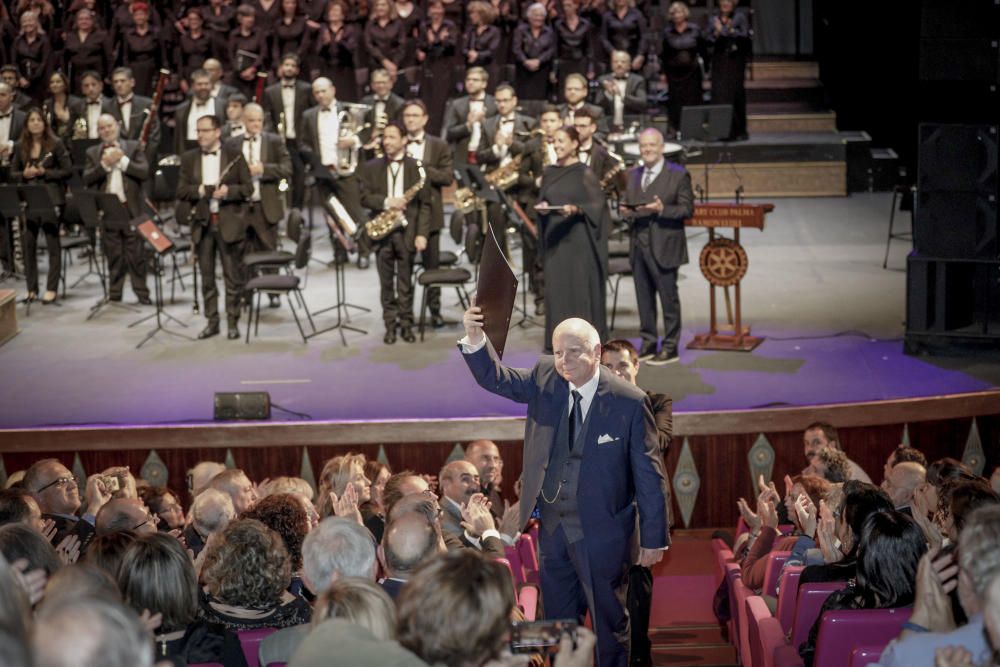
215 152
249 138
288 85
122 103
325 110
399 161
622 77
6 115
93 103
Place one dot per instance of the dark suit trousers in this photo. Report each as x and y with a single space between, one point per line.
298 173
639 602
575 581
125 251
432 260
261 235
31 232
650 281
233 274
395 276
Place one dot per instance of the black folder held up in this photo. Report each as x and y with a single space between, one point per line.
495 292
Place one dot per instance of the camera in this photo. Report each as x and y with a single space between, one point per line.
540 636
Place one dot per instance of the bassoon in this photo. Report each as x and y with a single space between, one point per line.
258 95
154 107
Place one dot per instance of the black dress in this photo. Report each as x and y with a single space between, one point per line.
438 71
267 17
574 49
192 52
203 642
729 64
289 37
221 23
624 34
80 55
485 44
63 128
385 42
333 57
32 60
411 28
680 64
534 85
144 55
574 248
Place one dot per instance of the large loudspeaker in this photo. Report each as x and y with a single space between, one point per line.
957 190
242 405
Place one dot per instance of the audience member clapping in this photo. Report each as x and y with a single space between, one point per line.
373 511
409 541
166 505
343 477
902 483
902 454
211 512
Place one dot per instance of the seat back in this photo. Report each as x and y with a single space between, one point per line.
529 557
513 581
527 600
788 591
756 614
741 592
840 632
250 642
862 656
775 561
810 601
516 567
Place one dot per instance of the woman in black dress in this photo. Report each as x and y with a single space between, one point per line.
508 18
412 16
481 39
436 48
220 19
534 51
573 221
61 109
729 33
142 50
268 13
574 43
291 34
384 38
623 28
681 48
247 49
32 51
334 51
85 48
40 158
195 46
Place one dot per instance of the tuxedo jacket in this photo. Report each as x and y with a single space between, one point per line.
600 160
17 118
635 95
277 167
375 186
667 238
455 131
96 176
81 108
181 117
622 468
191 203
438 164
140 109
273 106
308 132
522 123
393 111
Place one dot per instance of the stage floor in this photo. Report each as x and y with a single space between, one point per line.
832 316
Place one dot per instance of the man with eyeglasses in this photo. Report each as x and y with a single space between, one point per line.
54 489
123 514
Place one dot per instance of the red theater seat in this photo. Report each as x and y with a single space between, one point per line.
775 561
788 591
840 632
250 641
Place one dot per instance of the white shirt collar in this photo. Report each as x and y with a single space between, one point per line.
588 388
655 169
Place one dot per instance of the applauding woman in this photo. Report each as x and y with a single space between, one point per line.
40 158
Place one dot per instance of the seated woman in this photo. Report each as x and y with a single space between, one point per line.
889 550
156 574
373 511
165 504
246 574
285 514
339 473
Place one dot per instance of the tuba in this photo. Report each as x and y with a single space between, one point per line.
390 220
350 119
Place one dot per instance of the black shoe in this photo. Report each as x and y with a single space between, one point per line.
437 321
406 333
145 301
115 299
233 333
539 308
209 331
647 351
390 335
663 358
275 301
363 261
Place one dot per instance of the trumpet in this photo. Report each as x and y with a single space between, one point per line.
351 123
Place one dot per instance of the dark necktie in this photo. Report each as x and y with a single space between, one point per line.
575 419
647 178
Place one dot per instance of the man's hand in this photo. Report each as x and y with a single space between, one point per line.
473 322
936 578
420 243
473 54
95 495
346 505
637 62
476 516
48 530
826 534
806 513
257 169
649 557
221 192
654 207
768 514
475 116
582 655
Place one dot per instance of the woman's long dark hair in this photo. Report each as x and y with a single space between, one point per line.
861 500
26 141
890 548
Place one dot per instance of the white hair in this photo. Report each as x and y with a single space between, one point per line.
578 327
211 511
202 473
337 546
90 631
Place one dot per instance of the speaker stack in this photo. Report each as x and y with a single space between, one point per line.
953 274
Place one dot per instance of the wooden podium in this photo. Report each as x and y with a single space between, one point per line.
724 262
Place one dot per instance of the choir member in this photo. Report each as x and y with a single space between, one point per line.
334 49
534 51
623 28
61 108
41 158
220 19
85 47
291 34
194 46
729 33
412 17
481 39
247 49
681 63
574 43
437 45
142 49
573 224
268 13
31 54
384 38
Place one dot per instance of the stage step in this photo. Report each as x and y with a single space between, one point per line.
695 655
821 121
804 91
773 179
783 69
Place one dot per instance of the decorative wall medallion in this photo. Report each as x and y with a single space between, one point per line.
686 483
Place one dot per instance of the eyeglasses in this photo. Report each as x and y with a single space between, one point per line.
150 518
60 481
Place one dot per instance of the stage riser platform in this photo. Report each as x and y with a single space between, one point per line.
780 179
764 123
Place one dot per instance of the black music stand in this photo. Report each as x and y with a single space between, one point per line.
93 262
161 245
104 212
342 306
701 124
10 210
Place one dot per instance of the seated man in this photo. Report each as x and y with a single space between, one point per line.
832 465
459 482
90 631
211 512
485 455
54 489
899 455
902 482
822 434
409 541
121 514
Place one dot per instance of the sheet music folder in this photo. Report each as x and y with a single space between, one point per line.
496 292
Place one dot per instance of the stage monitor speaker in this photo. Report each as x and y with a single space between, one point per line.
242 405
969 19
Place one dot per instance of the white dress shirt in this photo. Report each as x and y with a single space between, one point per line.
116 181
329 135
93 113
618 102
210 168
5 126
587 153
416 146
251 151
394 179
477 128
288 105
505 125
198 109
649 174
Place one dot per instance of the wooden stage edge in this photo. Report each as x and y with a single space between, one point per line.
316 433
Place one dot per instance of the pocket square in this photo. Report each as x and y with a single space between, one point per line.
605 439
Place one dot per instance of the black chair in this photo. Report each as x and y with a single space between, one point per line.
282 283
443 278
255 262
618 268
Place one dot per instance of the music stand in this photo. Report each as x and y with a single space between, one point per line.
10 210
78 149
701 124
161 245
109 214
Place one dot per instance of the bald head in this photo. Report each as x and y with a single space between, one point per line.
651 146
902 481
121 514
324 92
409 540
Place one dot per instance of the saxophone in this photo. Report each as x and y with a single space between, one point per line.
505 177
609 181
466 201
392 219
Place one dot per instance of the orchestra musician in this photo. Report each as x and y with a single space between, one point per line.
592 153
575 96
94 101
623 92
219 89
214 186
11 124
130 110
464 116
285 102
385 106
61 107
435 155
233 127
118 166
386 182
41 158
269 164
573 225
200 104
10 76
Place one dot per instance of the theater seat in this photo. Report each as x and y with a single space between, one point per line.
527 600
775 561
810 600
250 641
760 622
516 567
529 557
788 591
840 632
862 656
